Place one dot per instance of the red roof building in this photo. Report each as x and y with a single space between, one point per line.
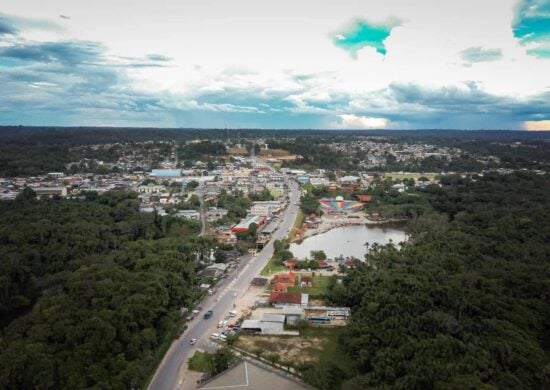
364 198
285 298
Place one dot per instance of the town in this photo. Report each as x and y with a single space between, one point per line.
269 283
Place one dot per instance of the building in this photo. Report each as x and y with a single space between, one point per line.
265 208
272 323
56 175
248 375
281 299
293 314
166 173
50 191
215 213
150 189
244 225
189 214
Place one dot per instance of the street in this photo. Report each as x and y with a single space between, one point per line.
231 288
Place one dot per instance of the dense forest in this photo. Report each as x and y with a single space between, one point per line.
464 305
89 290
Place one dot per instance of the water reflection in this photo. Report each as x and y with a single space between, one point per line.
349 240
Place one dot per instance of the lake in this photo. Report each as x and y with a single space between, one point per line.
348 240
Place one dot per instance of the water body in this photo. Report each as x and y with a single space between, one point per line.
348 240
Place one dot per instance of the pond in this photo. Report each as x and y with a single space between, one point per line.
348 240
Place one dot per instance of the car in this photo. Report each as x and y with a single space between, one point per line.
222 324
215 336
192 341
223 337
232 313
208 314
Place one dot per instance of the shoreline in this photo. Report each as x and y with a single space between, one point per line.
347 222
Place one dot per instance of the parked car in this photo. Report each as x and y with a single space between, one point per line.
232 313
223 337
215 336
222 324
192 341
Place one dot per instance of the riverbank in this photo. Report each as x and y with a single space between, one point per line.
333 221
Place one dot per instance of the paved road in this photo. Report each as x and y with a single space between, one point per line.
166 377
202 209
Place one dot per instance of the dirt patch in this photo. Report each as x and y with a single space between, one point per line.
298 350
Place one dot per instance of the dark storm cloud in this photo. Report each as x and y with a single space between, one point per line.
6 28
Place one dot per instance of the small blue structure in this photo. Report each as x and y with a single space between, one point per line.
166 173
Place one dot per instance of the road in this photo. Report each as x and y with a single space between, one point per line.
202 209
233 287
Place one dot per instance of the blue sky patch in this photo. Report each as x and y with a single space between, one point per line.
531 26
361 33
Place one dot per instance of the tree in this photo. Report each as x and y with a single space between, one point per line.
318 255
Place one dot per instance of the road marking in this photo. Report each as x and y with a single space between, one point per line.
232 386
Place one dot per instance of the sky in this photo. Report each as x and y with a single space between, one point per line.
332 64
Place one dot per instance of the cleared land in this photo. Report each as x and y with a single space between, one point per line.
310 346
319 287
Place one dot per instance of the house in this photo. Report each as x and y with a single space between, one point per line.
284 279
214 270
322 264
306 281
189 214
282 299
215 213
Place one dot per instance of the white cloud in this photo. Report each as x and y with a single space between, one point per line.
350 121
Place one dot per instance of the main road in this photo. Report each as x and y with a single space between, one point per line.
236 285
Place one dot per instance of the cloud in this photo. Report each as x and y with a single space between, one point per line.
350 121
68 52
360 33
543 125
531 25
479 54
159 58
18 23
6 28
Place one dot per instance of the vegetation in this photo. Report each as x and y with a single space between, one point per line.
464 305
90 289
212 363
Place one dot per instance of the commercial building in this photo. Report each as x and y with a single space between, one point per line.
244 225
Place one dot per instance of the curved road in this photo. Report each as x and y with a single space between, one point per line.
233 287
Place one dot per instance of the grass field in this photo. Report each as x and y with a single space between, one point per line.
272 268
320 285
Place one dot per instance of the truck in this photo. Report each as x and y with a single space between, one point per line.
208 314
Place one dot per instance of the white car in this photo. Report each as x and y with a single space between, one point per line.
215 336
192 341
222 324
223 337
232 313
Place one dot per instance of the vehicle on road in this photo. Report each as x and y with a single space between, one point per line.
208 314
192 341
232 313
